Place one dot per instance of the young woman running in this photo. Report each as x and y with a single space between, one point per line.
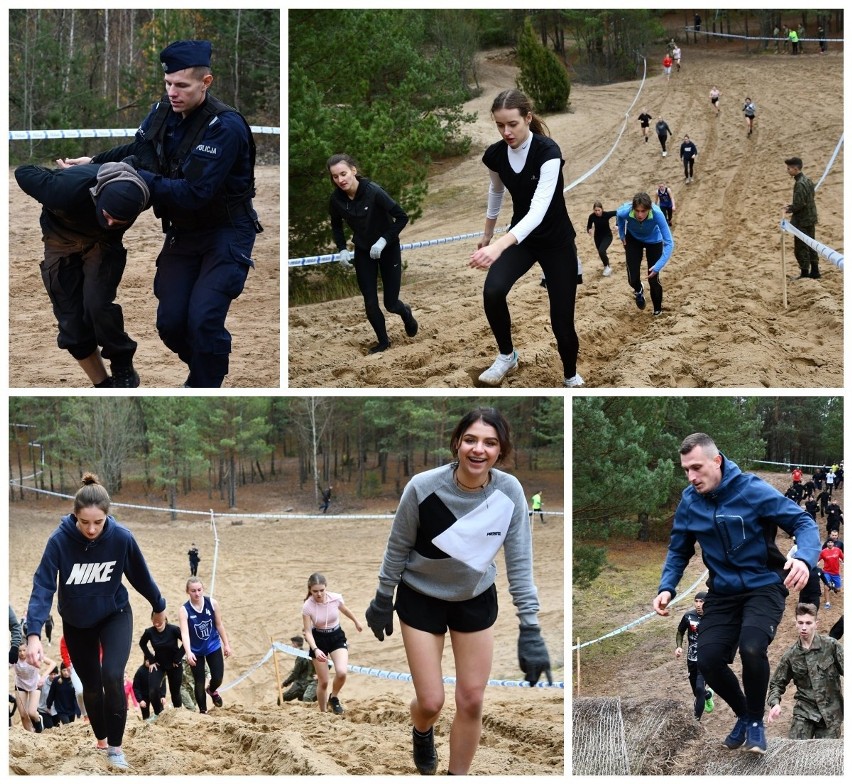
321 623
688 154
528 164
664 198
599 224
205 641
376 221
86 556
643 227
165 661
28 688
714 98
441 564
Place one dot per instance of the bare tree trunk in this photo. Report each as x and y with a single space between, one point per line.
237 62
105 92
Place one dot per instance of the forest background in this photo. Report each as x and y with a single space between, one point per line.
163 449
626 475
99 68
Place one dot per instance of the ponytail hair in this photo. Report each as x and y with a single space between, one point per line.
315 579
92 493
515 99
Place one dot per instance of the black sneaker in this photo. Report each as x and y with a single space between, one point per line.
125 377
379 347
640 298
105 384
410 322
425 756
214 695
335 705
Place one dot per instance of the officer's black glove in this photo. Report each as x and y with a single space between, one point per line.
13 654
379 616
532 655
131 160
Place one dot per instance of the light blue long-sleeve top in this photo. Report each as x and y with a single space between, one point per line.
654 228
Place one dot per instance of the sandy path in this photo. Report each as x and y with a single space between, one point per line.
724 324
34 359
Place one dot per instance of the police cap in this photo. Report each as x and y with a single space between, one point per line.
185 54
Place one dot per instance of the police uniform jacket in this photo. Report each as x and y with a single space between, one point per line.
90 572
69 211
212 183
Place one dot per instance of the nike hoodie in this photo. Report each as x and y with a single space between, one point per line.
89 576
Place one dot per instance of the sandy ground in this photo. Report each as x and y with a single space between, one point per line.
654 671
723 324
262 569
253 320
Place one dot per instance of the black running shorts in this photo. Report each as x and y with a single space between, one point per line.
437 615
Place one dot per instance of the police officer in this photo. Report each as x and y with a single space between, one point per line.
85 212
197 156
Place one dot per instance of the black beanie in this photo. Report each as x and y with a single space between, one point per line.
122 199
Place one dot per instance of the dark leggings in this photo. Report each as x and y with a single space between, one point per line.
103 678
155 684
560 269
699 688
216 663
367 271
653 251
662 141
746 622
688 166
602 243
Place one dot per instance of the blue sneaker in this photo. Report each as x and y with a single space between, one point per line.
738 734
755 738
640 298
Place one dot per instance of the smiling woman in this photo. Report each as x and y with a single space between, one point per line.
449 526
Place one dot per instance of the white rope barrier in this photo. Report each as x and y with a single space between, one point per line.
622 629
830 162
835 257
779 38
100 133
373 672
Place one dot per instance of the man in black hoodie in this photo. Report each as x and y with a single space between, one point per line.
85 212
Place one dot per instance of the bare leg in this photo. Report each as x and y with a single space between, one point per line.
423 651
472 652
340 657
321 669
93 366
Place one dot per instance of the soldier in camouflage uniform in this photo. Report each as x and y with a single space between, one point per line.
815 664
301 676
804 218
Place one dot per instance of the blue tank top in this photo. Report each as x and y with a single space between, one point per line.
203 635
664 197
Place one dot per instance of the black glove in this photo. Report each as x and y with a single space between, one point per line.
131 160
13 654
532 655
379 616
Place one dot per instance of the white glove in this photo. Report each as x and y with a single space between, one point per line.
376 250
345 255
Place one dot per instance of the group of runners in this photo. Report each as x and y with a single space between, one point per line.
439 562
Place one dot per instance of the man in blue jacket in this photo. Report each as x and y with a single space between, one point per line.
735 516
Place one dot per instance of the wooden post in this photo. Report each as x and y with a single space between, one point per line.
278 688
784 268
578 666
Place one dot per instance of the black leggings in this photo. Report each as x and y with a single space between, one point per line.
560 269
602 243
699 688
653 251
216 663
155 684
746 622
662 141
103 678
367 271
688 166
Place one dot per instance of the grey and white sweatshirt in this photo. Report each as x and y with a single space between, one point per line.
444 540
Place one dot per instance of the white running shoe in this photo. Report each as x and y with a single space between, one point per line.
607 271
664 153
116 759
499 370
575 381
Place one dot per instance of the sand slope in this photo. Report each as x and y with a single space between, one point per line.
723 325
262 570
